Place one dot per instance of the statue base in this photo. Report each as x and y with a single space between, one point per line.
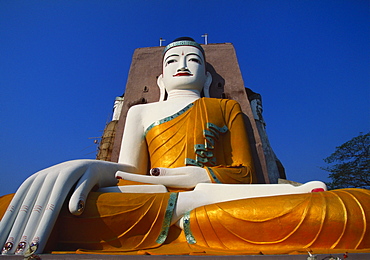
352 256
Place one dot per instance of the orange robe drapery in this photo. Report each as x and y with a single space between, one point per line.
332 220
210 133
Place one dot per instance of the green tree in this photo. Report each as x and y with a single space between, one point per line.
350 163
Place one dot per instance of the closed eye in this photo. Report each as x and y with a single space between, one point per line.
170 61
195 60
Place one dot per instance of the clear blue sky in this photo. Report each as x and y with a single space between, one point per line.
62 63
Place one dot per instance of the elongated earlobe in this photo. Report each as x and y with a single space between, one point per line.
207 84
162 90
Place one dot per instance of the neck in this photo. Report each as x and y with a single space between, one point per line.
177 94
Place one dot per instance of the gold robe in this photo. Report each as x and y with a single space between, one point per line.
210 133
330 220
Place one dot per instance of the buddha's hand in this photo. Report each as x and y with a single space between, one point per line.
31 214
182 177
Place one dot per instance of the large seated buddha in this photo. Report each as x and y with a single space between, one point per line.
186 185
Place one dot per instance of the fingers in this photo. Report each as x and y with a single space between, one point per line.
181 177
24 213
11 214
63 184
177 181
193 171
139 177
156 171
84 186
100 174
151 188
160 171
68 175
38 207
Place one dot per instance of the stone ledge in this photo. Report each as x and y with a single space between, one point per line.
353 256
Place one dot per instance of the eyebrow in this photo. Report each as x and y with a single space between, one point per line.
193 53
190 53
171 56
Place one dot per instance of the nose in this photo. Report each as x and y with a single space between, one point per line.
183 64
182 68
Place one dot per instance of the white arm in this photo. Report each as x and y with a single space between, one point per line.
134 151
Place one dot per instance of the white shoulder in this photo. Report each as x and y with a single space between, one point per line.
141 108
135 110
145 114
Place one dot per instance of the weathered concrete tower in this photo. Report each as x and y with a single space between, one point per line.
227 82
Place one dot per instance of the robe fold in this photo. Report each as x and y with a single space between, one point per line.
208 133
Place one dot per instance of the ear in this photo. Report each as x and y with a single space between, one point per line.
162 90
207 84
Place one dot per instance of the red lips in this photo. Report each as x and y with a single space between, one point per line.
183 74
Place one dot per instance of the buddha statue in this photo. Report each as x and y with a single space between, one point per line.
186 178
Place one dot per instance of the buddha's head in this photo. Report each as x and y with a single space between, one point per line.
184 67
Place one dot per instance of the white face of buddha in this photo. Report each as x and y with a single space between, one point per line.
184 68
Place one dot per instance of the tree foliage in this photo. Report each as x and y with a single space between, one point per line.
350 163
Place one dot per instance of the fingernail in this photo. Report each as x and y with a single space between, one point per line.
7 247
80 206
34 246
155 171
31 250
21 247
118 177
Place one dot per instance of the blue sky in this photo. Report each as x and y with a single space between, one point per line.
63 63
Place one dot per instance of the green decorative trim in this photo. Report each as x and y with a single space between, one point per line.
214 127
189 161
213 175
169 118
209 133
203 152
167 218
199 147
202 160
183 43
189 236
210 141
